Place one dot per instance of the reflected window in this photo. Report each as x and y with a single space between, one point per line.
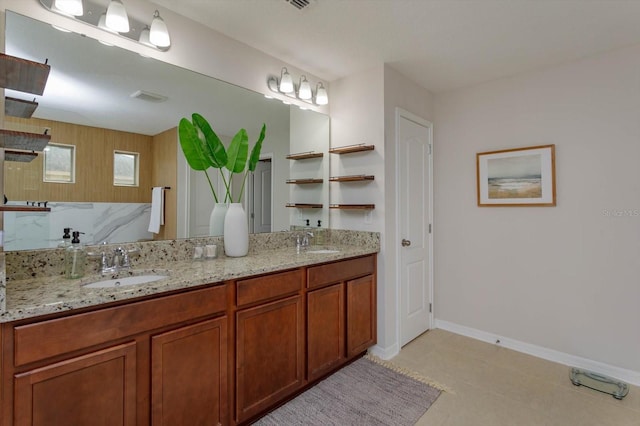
59 163
125 168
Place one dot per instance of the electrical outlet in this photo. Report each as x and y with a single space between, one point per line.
368 216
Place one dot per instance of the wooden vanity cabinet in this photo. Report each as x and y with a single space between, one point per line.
341 313
269 341
120 365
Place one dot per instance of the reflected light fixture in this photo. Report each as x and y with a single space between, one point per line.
144 37
117 18
71 7
159 34
304 89
286 82
321 95
102 23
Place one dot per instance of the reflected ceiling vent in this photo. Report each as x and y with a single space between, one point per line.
148 96
300 4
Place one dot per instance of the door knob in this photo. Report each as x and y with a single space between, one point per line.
406 243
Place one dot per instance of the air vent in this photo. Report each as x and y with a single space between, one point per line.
148 96
299 4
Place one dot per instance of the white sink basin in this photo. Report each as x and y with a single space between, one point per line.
125 281
323 251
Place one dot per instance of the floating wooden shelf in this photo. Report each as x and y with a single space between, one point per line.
19 107
304 205
352 148
19 156
352 206
304 181
352 178
12 139
304 155
23 75
24 209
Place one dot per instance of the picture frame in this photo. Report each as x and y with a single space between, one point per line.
517 177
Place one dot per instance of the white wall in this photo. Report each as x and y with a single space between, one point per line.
564 277
363 111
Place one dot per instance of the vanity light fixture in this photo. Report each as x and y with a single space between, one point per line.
117 18
304 89
114 19
286 82
159 34
321 94
71 7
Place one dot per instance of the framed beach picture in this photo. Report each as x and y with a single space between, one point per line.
517 177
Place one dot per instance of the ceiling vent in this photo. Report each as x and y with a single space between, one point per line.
148 96
300 4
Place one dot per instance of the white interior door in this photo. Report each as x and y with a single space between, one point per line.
414 177
261 192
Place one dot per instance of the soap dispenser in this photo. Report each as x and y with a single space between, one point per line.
66 239
319 240
75 258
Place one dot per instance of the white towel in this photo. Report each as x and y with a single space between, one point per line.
157 209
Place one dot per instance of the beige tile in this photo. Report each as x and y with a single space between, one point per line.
495 386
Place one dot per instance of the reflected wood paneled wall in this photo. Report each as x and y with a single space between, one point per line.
164 172
94 165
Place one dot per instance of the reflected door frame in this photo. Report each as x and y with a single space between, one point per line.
249 195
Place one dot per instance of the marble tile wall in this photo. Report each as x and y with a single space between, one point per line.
112 222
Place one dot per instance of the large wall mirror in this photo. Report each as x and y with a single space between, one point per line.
103 99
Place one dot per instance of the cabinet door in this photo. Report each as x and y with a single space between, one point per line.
94 389
361 314
189 375
325 330
269 357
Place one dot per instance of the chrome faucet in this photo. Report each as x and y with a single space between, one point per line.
306 239
118 259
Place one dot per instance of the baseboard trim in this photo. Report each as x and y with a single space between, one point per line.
629 376
385 353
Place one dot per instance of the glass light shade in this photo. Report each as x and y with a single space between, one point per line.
102 23
117 18
72 7
159 34
144 37
286 82
304 90
321 95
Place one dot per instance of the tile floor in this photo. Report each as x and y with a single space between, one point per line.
495 386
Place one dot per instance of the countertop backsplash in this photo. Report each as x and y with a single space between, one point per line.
27 264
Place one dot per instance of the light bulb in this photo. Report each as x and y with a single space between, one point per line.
286 82
321 95
102 23
117 18
159 34
72 7
304 90
144 38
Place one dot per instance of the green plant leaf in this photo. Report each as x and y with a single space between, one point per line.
255 152
213 146
192 146
238 152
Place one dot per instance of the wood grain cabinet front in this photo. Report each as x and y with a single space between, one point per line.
98 388
270 355
325 330
189 375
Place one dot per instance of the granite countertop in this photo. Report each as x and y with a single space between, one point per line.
40 296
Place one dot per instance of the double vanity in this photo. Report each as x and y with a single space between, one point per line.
220 341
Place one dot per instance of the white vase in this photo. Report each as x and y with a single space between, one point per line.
236 231
216 220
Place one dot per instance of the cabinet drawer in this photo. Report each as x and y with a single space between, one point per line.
46 339
268 287
339 271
